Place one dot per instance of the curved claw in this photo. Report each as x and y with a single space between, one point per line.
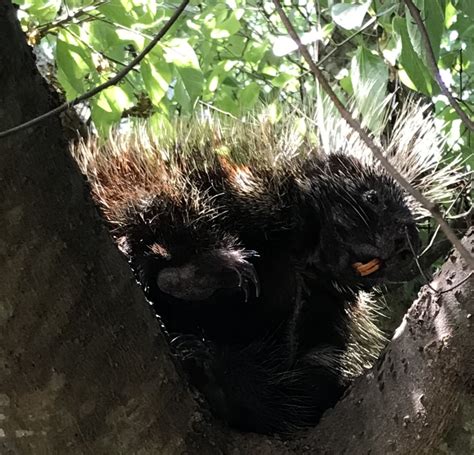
246 274
239 276
252 275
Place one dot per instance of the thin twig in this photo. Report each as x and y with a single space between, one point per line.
45 28
112 81
120 26
434 66
458 196
349 38
427 280
377 152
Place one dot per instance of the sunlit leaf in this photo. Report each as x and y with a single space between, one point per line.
228 27
107 107
349 16
157 75
413 65
75 64
190 77
369 77
432 14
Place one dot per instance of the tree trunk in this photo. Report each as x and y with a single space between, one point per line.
84 369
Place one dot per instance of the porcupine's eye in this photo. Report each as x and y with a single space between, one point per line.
371 197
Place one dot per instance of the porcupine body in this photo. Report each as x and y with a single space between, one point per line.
245 238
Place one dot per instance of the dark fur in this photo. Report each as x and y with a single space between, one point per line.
275 362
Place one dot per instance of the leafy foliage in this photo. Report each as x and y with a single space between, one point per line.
234 54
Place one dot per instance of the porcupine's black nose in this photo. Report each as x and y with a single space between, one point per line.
404 246
402 252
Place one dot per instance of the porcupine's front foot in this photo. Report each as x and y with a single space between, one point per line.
200 277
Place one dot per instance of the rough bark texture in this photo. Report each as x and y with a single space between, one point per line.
84 370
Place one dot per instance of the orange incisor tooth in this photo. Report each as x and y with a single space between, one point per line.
367 268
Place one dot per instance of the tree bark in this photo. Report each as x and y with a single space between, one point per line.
83 367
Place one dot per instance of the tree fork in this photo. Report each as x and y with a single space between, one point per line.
83 366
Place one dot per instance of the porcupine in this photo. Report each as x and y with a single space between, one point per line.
256 249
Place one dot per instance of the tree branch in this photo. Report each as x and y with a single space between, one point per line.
434 66
377 152
112 81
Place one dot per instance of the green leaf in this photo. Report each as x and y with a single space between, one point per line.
256 51
190 78
404 78
349 16
157 75
43 11
451 15
77 3
227 28
383 9
467 7
415 69
179 52
219 73
181 95
237 45
74 64
120 12
226 103
213 82
449 59
367 67
369 78
432 14
107 107
346 85
114 100
249 95
104 36
282 79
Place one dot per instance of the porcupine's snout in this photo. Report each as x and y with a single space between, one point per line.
407 243
400 249
392 252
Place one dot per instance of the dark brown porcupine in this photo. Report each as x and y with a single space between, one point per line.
256 251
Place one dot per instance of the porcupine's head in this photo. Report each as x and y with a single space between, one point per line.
368 234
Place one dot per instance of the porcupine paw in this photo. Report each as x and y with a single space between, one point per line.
204 274
243 274
196 356
189 346
202 362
